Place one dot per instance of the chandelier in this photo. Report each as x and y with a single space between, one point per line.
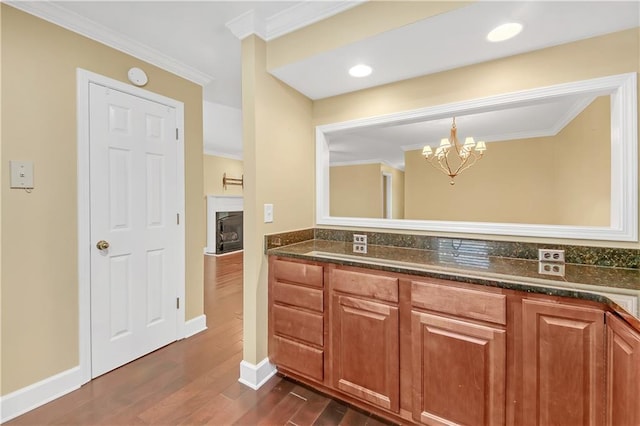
466 155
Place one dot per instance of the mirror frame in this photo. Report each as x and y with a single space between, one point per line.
624 162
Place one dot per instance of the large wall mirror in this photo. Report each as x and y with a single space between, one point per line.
561 161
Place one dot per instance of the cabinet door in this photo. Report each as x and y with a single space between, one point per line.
563 364
458 371
623 375
365 344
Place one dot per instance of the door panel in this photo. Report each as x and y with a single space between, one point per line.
366 350
133 180
459 371
563 364
623 377
120 295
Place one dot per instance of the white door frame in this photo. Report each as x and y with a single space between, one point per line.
84 78
388 202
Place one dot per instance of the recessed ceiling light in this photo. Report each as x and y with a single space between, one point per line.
504 32
360 70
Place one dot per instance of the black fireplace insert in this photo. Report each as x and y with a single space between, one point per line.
228 232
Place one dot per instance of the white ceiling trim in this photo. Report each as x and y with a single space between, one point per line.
74 22
572 113
287 21
303 14
362 163
216 153
246 24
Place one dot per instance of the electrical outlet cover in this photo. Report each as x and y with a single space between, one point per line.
359 248
551 268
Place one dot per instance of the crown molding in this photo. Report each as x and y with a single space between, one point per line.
288 20
222 154
365 163
65 18
572 113
304 14
246 24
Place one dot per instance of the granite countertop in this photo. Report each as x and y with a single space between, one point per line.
579 281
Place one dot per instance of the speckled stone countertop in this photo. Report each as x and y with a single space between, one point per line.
579 281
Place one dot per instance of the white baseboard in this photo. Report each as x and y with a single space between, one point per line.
255 376
195 325
26 399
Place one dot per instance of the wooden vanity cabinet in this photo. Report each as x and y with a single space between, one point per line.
365 337
440 352
458 354
296 317
623 373
563 364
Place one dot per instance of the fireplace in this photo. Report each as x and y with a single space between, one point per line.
224 223
228 232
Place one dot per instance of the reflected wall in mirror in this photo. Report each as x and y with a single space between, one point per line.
560 161
551 166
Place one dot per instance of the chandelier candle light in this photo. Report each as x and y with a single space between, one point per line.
467 154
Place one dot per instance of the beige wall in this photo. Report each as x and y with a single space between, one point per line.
2 179
496 189
583 178
214 168
356 191
279 168
600 56
39 273
560 180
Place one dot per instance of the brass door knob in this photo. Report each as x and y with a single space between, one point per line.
102 245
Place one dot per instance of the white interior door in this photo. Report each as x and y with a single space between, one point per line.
133 198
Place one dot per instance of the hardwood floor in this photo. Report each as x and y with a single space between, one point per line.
195 381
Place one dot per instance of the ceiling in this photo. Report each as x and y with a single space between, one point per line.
195 39
455 39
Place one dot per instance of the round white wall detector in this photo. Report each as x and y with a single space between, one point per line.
137 76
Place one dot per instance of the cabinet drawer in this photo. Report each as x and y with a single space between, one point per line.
461 302
369 285
298 324
300 358
301 273
304 297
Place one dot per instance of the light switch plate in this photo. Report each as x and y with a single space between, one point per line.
268 213
21 174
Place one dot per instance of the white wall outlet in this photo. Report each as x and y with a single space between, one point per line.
359 239
21 174
550 255
268 213
359 248
551 268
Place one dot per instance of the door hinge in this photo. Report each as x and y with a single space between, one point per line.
177 133
177 303
178 218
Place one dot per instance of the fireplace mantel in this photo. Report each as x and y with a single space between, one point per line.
219 203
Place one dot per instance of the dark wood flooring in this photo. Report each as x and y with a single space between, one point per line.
195 381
